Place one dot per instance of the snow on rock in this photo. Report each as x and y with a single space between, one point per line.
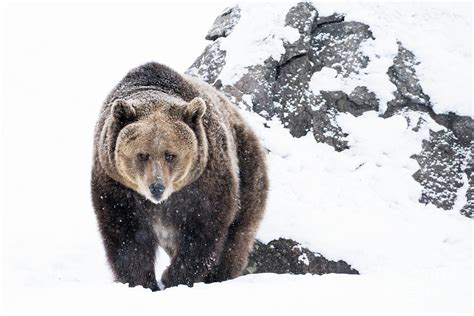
255 39
439 35
361 60
224 23
443 161
209 65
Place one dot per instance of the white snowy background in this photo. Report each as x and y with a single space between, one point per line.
58 63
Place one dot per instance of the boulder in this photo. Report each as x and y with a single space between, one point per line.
288 256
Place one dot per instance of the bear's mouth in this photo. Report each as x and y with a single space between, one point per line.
143 191
156 201
153 200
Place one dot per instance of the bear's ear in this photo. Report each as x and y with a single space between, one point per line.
123 112
194 111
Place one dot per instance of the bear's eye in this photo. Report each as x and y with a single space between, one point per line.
169 157
143 157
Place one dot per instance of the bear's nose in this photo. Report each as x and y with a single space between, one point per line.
157 190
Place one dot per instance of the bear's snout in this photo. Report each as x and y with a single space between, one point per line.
157 190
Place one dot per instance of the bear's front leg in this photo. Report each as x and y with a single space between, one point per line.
198 251
129 240
131 255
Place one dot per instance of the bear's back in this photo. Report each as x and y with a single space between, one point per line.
154 76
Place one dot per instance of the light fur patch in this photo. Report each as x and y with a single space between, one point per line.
165 236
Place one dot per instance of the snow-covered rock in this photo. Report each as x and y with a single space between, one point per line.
334 66
287 256
224 23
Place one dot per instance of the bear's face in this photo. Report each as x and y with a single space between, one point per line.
156 153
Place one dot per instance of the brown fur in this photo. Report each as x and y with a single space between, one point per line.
160 127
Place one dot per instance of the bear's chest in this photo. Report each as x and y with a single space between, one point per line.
166 235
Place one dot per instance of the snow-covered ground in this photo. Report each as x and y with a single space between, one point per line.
360 205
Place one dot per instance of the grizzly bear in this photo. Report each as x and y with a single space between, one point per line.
175 165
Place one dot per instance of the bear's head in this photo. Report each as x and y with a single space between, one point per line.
160 148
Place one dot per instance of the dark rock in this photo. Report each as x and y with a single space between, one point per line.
468 209
258 83
462 126
214 60
442 163
447 154
364 100
409 93
359 101
336 45
291 92
224 23
333 18
288 256
300 109
325 127
302 17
